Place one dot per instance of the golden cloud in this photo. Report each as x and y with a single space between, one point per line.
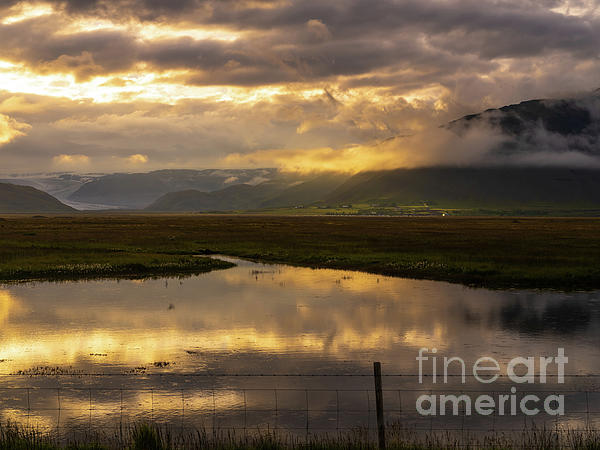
430 146
137 159
352 159
11 129
24 11
71 161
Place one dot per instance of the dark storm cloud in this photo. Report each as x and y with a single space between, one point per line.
273 60
147 9
525 27
305 40
518 19
272 57
37 43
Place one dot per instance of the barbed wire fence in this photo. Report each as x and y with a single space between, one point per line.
302 411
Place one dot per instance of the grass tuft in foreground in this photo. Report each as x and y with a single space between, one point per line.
153 437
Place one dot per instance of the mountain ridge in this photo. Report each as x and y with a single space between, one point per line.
532 126
280 192
26 199
138 190
474 187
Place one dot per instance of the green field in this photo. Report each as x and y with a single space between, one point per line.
366 209
560 253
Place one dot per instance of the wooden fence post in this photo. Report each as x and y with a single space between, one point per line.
379 404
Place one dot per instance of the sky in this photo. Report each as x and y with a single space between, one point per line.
138 85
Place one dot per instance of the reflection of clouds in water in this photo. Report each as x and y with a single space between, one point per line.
419 339
561 316
322 281
280 311
135 348
42 421
9 306
84 409
267 319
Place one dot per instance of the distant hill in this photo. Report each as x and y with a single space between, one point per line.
239 197
445 187
26 199
306 192
558 125
474 187
138 190
57 185
284 191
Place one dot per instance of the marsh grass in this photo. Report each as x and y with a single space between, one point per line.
558 253
24 261
154 437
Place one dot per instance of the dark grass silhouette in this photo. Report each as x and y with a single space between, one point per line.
146 436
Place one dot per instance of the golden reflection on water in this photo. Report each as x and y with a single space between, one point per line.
141 347
75 408
9 306
258 311
273 311
256 319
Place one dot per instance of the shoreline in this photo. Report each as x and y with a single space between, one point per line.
494 253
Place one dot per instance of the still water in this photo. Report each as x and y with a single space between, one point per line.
179 350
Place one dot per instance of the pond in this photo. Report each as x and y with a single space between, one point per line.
280 346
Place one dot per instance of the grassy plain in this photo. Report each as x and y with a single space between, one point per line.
561 253
365 209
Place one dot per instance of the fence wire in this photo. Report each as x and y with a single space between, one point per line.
299 410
